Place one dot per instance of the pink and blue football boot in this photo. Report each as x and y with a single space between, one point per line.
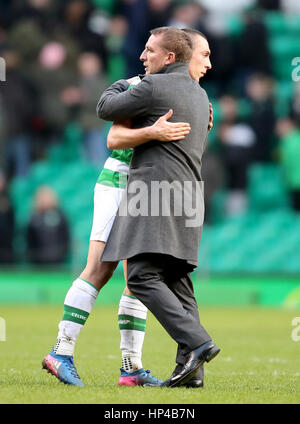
138 378
62 367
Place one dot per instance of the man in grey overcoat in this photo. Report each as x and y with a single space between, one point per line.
160 235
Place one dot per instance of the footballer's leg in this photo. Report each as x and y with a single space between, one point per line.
83 293
132 317
78 304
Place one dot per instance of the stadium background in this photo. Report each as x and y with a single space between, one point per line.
60 55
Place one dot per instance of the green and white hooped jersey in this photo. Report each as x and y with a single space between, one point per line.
116 168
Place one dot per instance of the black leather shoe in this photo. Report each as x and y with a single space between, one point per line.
197 381
194 383
206 352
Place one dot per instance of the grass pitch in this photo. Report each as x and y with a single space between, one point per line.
258 363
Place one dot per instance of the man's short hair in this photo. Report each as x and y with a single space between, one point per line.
176 41
193 32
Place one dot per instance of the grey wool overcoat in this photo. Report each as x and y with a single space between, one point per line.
162 209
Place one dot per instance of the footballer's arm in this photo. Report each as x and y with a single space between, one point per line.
121 136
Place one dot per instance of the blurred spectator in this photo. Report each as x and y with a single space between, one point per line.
213 175
27 37
42 12
269 4
2 38
48 240
188 15
53 77
91 84
17 99
220 10
7 224
142 16
6 13
289 135
253 50
262 119
159 13
115 39
223 59
228 7
291 7
193 15
76 23
237 139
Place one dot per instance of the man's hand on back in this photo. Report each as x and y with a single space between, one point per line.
169 131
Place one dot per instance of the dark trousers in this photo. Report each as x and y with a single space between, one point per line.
163 284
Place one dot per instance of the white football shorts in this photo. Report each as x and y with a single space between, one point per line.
106 204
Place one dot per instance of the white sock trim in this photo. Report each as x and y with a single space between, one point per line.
86 287
131 363
133 303
132 307
64 346
81 295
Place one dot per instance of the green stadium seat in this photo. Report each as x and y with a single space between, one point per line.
266 233
217 206
82 228
234 25
69 148
212 91
285 89
274 259
284 92
56 153
278 23
41 173
21 195
292 264
230 261
266 187
244 109
282 68
116 67
255 242
19 190
284 45
105 5
275 22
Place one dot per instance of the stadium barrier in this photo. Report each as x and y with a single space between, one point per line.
50 287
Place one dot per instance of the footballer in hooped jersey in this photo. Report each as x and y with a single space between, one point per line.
80 298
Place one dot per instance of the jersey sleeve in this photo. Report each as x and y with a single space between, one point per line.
115 104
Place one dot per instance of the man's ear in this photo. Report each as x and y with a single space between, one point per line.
171 58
